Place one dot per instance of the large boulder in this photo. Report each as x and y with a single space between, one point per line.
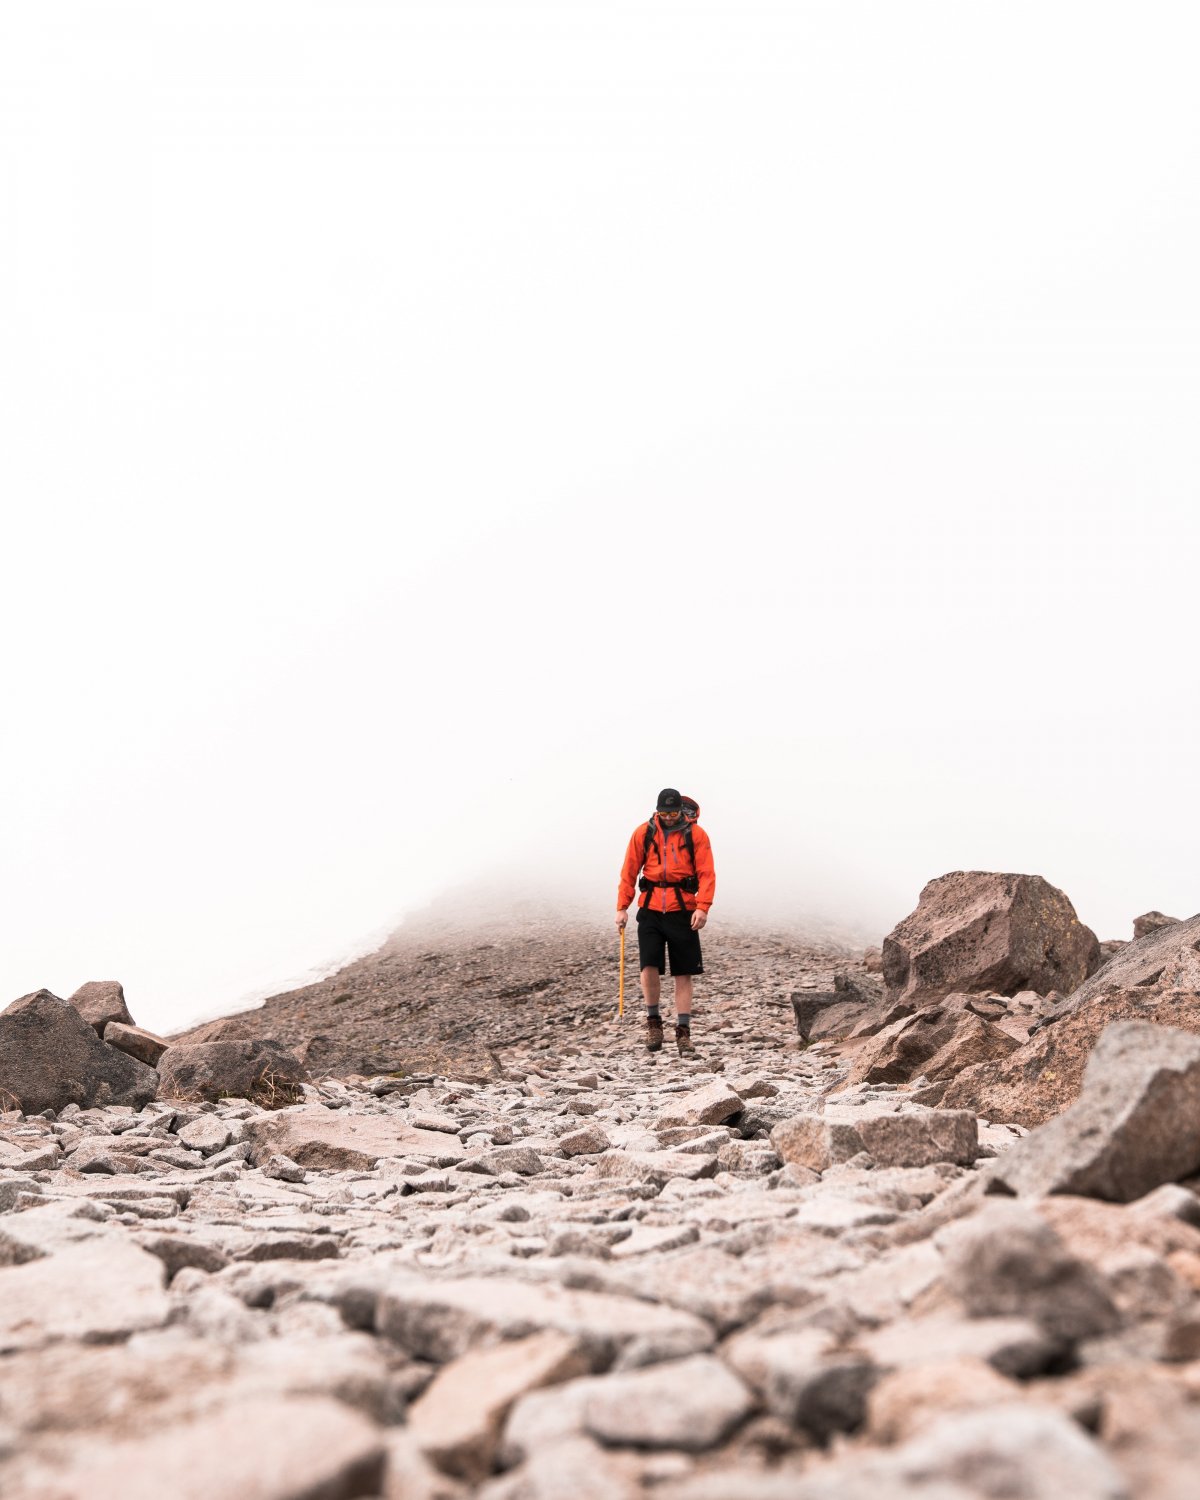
1040 1079
1135 1125
101 1001
977 931
51 1057
263 1071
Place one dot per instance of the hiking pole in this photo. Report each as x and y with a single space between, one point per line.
621 983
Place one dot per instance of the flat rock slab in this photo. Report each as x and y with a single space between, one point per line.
145 1045
443 1320
587 1141
908 1135
833 1216
330 1139
1016 1347
687 1404
499 1159
653 1166
39 1232
33 1155
426 1120
713 1104
1135 1125
301 1448
457 1421
684 1404
100 1290
648 1238
206 1135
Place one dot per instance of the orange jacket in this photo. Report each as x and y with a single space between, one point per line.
668 860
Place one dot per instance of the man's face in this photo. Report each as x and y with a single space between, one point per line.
671 815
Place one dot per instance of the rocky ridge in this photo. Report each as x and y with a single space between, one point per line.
582 1270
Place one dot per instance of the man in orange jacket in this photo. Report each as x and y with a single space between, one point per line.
677 885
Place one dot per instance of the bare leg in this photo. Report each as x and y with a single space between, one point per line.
683 994
651 985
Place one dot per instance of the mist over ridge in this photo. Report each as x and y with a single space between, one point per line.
382 563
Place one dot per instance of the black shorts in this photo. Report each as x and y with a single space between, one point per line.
672 931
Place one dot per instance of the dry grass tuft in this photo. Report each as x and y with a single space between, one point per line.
272 1092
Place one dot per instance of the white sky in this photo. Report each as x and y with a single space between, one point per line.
428 429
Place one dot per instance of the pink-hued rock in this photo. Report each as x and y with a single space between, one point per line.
936 1042
457 1420
330 1139
443 1320
1135 1125
1167 958
977 930
894 1135
713 1104
136 1041
101 1001
263 1448
96 1291
1039 1079
264 1071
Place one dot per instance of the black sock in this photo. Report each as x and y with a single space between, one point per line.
651 1010
684 1022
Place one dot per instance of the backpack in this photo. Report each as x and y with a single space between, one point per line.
689 883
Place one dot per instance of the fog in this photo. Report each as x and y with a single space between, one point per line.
430 429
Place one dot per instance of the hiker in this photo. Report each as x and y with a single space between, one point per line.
677 887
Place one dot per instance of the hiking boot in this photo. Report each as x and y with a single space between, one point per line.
654 1034
683 1040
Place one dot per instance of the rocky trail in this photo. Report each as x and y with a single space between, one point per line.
519 1258
445 997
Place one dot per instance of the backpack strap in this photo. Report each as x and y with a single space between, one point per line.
689 883
650 829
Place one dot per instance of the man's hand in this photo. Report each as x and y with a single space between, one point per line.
698 919
622 918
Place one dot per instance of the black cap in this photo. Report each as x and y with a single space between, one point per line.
669 800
